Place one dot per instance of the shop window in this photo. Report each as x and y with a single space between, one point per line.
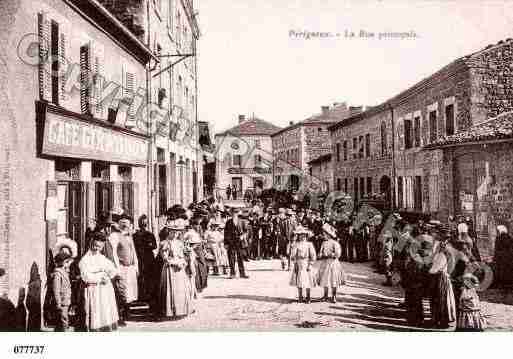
67 170
125 173
100 171
369 186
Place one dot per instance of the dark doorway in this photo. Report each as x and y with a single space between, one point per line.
385 189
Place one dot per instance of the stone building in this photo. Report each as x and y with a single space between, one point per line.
68 151
244 156
320 168
362 154
299 143
428 173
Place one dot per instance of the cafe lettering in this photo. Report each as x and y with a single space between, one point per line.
70 137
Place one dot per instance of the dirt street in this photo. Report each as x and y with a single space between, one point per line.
267 302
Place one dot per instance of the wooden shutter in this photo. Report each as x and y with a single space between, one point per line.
400 134
98 58
130 83
45 87
63 65
85 75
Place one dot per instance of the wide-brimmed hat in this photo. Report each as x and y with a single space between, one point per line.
66 243
302 230
328 228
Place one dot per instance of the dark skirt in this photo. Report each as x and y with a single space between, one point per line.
201 273
443 305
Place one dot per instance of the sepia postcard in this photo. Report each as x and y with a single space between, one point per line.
227 166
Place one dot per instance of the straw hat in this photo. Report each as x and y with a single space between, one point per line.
327 228
67 243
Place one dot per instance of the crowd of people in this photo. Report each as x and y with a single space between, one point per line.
122 265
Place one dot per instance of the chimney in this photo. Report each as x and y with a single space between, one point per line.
242 118
325 109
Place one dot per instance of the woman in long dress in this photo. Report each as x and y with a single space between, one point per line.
193 238
330 269
443 304
176 290
303 256
97 272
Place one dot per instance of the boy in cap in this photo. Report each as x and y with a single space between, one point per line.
61 286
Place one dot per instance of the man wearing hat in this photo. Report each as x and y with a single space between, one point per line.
234 231
283 230
266 227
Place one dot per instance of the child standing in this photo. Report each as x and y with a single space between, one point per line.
303 256
330 270
469 317
61 285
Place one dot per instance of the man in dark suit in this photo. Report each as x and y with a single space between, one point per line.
234 230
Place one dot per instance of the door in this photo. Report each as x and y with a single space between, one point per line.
473 173
104 197
71 212
237 184
127 198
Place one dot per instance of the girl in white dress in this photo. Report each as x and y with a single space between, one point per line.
330 269
303 256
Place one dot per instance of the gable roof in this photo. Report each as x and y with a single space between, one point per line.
495 129
252 126
329 117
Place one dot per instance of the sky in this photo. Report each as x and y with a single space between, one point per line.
253 60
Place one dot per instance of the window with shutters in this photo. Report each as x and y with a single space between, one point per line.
408 139
44 70
338 152
383 133
339 184
355 148
85 74
345 150
449 120
416 131
432 126
367 145
129 94
361 147
346 185
54 51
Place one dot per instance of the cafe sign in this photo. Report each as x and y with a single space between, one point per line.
65 136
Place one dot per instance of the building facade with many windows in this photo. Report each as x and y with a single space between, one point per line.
73 145
244 156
